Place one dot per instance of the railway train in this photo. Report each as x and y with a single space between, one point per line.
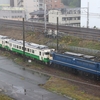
77 62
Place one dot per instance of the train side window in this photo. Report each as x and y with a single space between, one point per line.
17 46
32 51
39 53
28 49
23 48
13 45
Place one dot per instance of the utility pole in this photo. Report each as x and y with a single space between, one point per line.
57 34
23 41
45 18
88 15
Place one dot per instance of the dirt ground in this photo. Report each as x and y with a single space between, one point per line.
29 36
40 38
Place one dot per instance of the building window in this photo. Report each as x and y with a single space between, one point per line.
64 19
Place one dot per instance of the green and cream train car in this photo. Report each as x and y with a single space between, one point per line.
32 50
2 38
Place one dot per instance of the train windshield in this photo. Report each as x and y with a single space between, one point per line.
47 53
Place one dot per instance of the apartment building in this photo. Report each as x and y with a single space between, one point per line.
54 4
41 4
11 3
29 6
14 13
70 17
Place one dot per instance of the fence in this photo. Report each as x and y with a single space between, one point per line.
75 49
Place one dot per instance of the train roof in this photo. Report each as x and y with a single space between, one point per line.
80 55
27 44
74 54
3 37
88 56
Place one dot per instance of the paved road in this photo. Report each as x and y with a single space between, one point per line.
23 84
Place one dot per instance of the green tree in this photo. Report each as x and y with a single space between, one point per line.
72 3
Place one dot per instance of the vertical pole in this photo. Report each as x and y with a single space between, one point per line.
23 41
57 34
45 16
88 15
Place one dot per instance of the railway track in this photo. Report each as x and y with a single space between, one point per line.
92 34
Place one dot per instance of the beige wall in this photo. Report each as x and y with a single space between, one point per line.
53 14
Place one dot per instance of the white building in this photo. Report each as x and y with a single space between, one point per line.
94 13
15 3
13 13
67 17
30 6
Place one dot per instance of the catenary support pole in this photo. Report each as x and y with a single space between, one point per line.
57 34
45 19
88 15
23 41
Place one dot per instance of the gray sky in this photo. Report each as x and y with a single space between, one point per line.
4 1
94 13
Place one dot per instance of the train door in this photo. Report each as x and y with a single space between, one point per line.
41 55
3 43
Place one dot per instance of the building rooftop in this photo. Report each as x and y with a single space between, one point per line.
11 8
39 12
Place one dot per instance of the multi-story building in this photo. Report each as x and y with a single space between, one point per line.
35 5
29 6
41 4
66 16
12 3
53 4
15 3
14 13
50 4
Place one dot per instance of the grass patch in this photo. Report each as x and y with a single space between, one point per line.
4 97
78 42
65 88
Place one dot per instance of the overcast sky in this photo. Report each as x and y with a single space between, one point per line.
4 1
94 13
